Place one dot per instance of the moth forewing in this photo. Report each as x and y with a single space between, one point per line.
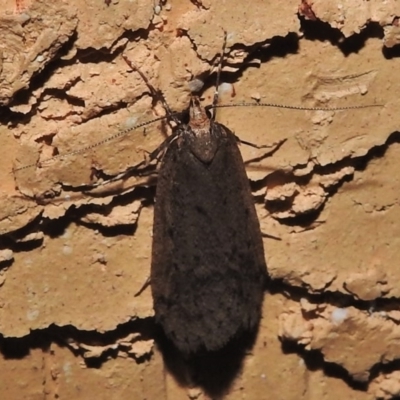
208 269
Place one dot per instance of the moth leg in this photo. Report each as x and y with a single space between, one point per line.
154 155
267 235
156 93
144 287
275 146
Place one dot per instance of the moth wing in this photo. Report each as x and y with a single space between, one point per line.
208 266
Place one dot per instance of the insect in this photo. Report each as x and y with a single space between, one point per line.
208 270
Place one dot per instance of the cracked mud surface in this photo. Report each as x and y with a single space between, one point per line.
73 258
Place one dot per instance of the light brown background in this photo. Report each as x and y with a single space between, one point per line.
72 262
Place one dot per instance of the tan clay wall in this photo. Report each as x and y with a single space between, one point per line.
72 262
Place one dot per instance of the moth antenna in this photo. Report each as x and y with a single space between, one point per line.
89 147
156 93
153 155
216 92
300 108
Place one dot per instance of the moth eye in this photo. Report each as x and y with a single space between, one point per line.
195 85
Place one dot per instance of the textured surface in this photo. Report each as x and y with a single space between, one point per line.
71 262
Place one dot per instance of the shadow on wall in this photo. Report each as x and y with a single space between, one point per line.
213 371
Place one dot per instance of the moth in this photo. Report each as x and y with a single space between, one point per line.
208 270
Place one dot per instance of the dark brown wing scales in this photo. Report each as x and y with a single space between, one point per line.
208 268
